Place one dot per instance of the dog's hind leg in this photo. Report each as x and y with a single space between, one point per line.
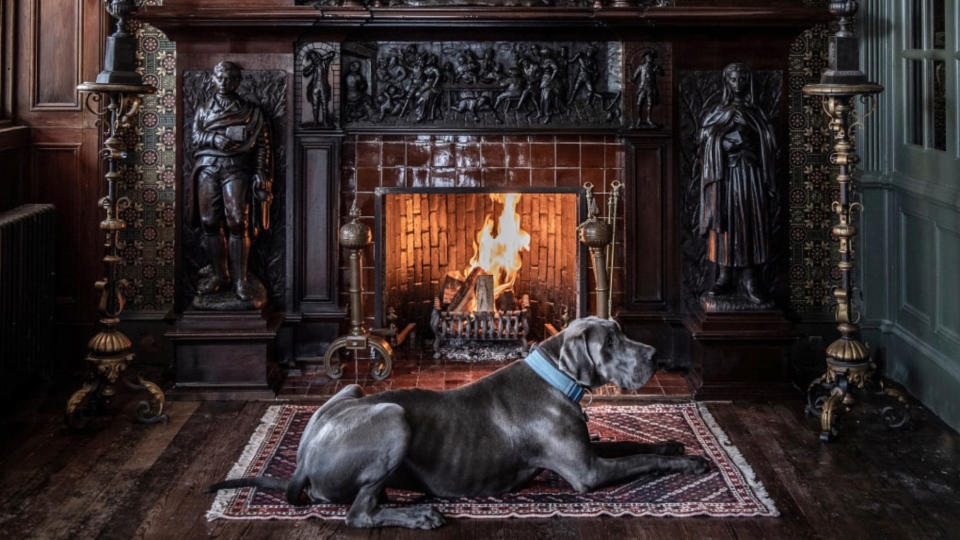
368 453
364 512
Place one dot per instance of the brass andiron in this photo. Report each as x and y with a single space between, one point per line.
109 351
596 234
355 236
850 370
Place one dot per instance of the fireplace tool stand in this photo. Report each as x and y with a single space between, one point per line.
597 233
355 236
850 374
109 351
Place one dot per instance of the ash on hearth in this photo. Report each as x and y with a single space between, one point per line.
461 350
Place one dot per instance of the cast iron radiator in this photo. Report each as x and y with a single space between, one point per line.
27 253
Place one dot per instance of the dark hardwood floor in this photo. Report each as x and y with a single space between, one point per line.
119 479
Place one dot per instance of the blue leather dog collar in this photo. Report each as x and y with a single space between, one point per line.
550 373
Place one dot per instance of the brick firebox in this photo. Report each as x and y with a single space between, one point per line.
482 162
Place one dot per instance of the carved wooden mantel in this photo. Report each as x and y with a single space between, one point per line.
177 15
696 38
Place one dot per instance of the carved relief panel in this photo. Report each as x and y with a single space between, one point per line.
648 85
493 85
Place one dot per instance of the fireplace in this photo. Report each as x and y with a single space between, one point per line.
480 264
396 106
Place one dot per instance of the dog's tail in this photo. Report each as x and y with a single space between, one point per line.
292 487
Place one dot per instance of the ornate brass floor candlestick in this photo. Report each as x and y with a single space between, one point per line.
355 236
109 351
849 367
117 91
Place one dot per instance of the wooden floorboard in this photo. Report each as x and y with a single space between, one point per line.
120 480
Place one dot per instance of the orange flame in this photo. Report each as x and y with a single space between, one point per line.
499 255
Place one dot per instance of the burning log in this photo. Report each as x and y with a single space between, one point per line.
452 284
484 294
506 301
461 300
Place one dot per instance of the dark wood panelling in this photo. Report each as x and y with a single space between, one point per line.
55 171
648 232
14 143
57 35
316 217
58 45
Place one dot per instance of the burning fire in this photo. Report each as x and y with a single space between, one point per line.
499 243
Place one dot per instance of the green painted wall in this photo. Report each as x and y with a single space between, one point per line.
910 244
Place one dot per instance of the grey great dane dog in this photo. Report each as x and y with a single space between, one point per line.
482 439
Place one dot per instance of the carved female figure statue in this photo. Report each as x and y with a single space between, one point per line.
737 185
357 100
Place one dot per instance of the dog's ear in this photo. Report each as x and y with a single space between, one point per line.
575 357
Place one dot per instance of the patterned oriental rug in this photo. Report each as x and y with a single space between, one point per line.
729 489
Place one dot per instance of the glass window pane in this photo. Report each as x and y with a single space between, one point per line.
915 20
939 105
939 31
914 118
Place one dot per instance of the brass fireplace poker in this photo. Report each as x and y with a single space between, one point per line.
615 188
117 91
354 236
596 233
849 366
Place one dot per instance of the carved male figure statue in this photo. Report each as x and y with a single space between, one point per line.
586 74
550 86
317 71
645 76
232 181
737 185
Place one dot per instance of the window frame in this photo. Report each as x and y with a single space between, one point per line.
923 161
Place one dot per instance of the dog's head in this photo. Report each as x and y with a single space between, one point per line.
595 351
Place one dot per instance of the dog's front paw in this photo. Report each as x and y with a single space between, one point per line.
697 465
428 517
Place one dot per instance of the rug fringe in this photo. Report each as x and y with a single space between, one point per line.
267 421
738 460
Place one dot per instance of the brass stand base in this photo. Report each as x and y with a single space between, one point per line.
380 367
100 387
845 384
